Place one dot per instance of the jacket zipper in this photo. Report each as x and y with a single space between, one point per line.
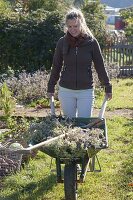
76 65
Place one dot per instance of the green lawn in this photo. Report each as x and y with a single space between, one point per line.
122 95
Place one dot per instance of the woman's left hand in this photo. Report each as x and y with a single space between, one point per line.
109 96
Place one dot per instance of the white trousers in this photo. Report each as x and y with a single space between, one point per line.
76 103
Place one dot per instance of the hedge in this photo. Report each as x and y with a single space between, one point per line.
28 43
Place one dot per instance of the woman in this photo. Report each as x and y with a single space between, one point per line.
72 66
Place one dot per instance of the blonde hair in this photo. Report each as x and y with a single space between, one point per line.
77 14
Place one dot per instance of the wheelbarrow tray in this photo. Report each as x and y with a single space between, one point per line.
92 151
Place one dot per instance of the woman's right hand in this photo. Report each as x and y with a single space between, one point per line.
49 94
109 96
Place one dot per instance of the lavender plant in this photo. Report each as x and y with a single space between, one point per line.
27 87
112 70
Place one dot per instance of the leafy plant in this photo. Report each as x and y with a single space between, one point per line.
43 103
7 101
17 128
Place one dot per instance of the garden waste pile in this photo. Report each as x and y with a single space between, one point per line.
76 142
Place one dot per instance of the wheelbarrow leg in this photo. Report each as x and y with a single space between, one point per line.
85 163
58 169
70 181
92 164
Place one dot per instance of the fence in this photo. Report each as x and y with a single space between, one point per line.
120 50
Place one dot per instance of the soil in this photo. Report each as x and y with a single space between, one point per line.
42 112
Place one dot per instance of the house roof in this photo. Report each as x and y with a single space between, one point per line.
118 3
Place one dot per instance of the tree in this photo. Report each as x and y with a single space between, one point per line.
95 18
49 5
5 8
78 3
127 15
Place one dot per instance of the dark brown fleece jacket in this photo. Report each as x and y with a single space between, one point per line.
72 65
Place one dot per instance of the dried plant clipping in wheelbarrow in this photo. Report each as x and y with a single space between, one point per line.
76 142
48 128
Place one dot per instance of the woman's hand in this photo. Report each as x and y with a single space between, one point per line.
49 94
109 96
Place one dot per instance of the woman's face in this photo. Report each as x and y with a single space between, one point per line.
74 27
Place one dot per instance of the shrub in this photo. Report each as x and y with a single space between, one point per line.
28 43
27 87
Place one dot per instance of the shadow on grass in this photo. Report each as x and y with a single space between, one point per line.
33 190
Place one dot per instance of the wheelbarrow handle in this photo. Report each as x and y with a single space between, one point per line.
52 106
103 107
41 144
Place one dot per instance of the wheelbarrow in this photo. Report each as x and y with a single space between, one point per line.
72 174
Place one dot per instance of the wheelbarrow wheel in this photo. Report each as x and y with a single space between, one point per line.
70 181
